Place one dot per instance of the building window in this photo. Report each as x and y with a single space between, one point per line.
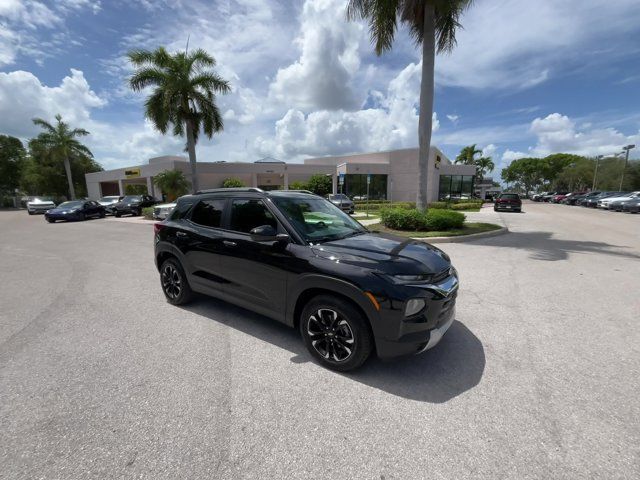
455 186
355 186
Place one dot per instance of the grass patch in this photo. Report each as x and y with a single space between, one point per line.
467 229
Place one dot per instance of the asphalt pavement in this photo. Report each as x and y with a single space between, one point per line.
539 377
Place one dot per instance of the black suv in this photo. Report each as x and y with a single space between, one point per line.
299 259
133 205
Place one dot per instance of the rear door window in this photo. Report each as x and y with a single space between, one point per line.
208 213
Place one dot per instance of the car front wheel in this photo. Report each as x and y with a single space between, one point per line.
336 333
174 282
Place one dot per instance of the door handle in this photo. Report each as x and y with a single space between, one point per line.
181 234
228 243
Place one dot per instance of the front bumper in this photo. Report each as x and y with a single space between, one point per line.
39 209
62 216
418 333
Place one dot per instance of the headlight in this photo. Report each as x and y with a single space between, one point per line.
408 279
414 305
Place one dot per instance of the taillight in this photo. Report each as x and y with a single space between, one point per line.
157 227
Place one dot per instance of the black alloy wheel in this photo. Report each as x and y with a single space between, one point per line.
336 333
174 282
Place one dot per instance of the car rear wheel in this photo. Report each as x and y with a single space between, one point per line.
51 220
102 214
117 214
335 333
174 282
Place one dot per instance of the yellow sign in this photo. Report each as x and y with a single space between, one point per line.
132 172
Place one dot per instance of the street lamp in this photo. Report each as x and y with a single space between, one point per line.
626 160
595 173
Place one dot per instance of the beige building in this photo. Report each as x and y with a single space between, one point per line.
391 175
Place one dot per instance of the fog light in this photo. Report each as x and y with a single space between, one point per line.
415 305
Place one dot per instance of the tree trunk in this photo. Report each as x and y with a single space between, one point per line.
191 148
67 169
426 102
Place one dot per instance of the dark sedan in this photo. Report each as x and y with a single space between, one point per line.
133 205
632 206
75 210
508 201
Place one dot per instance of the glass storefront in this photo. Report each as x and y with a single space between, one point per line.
455 186
355 187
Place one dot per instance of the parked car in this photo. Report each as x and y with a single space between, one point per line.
592 202
108 202
508 201
566 199
577 198
299 259
537 197
632 206
341 201
133 205
618 205
604 202
39 205
75 210
557 197
162 211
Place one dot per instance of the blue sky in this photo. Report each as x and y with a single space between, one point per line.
527 78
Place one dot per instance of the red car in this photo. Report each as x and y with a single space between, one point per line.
558 197
508 201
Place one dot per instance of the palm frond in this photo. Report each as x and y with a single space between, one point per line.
146 77
79 132
211 81
44 124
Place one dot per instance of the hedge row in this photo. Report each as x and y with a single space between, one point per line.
416 220
380 205
456 206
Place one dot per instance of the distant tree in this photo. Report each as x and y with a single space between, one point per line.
468 156
433 25
12 157
232 183
298 186
577 175
173 183
184 94
135 189
44 171
320 184
525 172
60 141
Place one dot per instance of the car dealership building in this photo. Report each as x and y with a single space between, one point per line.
391 175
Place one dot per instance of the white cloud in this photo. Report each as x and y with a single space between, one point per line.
558 133
509 155
321 77
22 94
489 150
453 119
515 44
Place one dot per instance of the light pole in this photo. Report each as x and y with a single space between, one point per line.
626 160
595 173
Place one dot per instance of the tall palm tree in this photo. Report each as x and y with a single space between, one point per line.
467 155
60 141
483 165
173 183
184 94
433 24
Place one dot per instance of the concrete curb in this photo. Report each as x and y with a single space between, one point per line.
465 238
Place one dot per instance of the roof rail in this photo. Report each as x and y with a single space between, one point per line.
298 191
235 189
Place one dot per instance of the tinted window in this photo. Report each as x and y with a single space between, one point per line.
208 212
510 196
249 214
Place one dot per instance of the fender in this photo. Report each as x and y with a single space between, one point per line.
166 247
305 282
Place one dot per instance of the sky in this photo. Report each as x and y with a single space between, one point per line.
525 79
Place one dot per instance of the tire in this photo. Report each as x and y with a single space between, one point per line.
136 213
117 214
337 324
30 212
51 220
102 214
174 283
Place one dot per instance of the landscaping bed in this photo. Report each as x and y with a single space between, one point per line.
466 229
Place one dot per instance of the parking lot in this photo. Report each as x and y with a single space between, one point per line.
538 377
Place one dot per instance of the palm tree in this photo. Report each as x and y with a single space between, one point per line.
483 165
172 182
60 142
467 155
184 94
433 24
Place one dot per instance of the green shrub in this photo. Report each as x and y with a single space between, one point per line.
232 183
444 220
147 213
378 205
439 205
466 206
413 219
462 205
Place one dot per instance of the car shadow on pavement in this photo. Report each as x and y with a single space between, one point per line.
451 368
543 246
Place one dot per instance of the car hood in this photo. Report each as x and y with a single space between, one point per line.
386 253
165 205
60 210
40 202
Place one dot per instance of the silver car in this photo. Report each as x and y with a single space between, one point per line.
162 211
341 201
39 205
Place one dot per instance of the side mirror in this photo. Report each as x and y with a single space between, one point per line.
264 233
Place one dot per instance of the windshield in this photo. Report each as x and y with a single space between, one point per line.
73 204
132 198
41 199
316 219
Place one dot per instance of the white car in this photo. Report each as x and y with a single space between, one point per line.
604 203
108 202
162 211
39 205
